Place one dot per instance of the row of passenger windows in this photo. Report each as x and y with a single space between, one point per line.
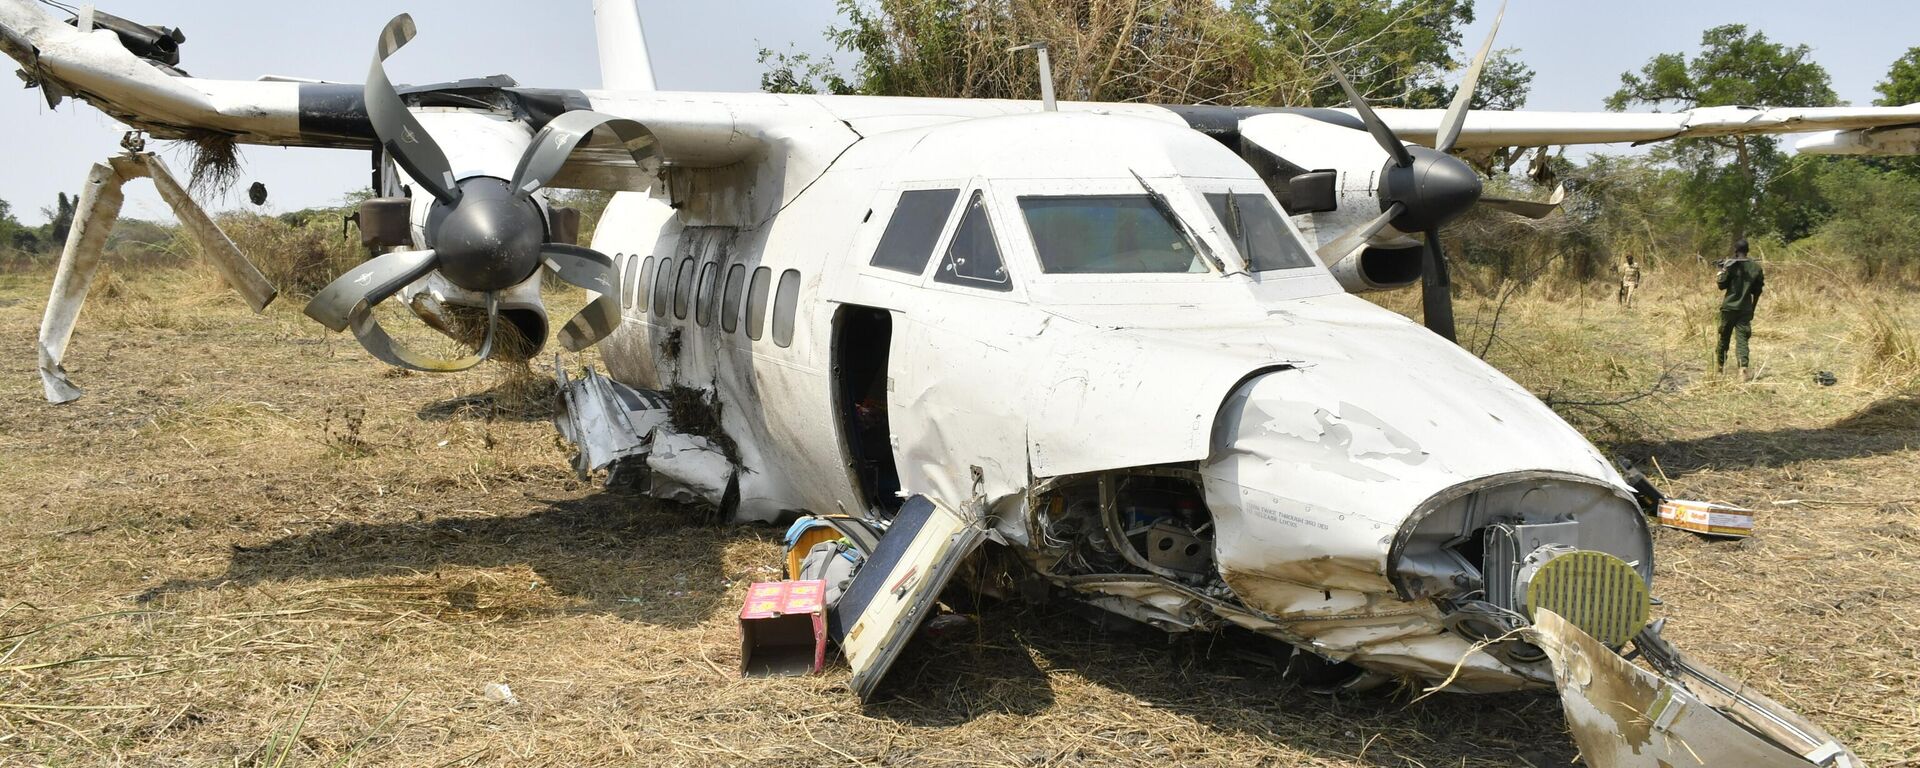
677 289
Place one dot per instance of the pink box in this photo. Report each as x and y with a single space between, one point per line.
783 628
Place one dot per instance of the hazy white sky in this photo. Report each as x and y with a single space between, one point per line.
1579 48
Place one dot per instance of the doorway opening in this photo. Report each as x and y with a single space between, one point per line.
862 339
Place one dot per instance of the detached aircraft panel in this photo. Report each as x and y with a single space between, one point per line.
898 586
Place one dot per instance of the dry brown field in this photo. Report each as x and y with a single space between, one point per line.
249 544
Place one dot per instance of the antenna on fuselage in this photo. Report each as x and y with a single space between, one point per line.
1046 74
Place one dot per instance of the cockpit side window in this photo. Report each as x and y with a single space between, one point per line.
973 258
917 220
1256 229
1105 235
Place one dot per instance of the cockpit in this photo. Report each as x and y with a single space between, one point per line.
1136 205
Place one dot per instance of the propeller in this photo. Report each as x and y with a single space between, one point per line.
483 234
1421 188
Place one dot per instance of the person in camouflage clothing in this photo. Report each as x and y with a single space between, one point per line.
1741 281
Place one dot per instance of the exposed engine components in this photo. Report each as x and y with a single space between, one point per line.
1147 520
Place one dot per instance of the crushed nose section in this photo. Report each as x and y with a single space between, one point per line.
629 433
1623 716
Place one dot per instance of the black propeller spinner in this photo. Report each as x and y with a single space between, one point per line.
1422 189
483 234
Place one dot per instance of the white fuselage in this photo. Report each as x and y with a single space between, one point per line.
992 394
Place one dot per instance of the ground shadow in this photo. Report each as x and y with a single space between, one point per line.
1886 426
492 405
998 667
624 554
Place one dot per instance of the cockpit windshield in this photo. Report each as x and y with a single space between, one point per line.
1106 234
1256 229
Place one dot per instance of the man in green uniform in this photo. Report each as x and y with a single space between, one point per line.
1740 282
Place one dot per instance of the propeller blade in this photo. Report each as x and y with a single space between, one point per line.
1376 126
233 265
1436 288
592 270
400 132
1456 116
368 284
555 143
1529 208
1340 247
384 348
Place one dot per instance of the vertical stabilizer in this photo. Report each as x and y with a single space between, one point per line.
624 64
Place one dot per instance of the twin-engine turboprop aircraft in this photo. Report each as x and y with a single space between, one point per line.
1118 341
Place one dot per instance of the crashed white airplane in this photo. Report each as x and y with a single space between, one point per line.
1119 341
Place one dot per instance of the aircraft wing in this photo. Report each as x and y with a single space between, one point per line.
694 130
1491 129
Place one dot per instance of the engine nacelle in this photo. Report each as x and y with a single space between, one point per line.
1378 269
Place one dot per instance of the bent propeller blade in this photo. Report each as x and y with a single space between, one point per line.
366 285
592 270
555 143
400 132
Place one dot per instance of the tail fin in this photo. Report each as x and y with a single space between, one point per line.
624 64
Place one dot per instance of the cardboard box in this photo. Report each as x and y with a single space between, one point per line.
1706 518
783 629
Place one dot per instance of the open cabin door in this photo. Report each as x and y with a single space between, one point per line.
899 584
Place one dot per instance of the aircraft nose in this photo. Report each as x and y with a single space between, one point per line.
1365 516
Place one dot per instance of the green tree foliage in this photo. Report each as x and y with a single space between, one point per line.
1744 184
14 236
1397 53
1264 52
800 73
1876 219
1902 86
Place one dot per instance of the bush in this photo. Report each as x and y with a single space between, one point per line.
298 254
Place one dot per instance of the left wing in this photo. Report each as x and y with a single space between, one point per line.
1488 129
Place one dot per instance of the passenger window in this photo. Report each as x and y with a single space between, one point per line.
641 282
784 304
917 220
1257 231
973 258
730 300
683 289
703 301
757 302
663 287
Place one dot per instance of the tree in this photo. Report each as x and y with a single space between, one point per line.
1397 53
800 73
14 236
1902 86
59 218
1739 185
1260 52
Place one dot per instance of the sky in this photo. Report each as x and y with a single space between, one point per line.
1577 49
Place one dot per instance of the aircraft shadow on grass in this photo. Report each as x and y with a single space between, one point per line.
664 566
621 554
1885 426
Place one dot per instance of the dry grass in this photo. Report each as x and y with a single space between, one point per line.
251 545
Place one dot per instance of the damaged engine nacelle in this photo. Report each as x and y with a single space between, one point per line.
1378 269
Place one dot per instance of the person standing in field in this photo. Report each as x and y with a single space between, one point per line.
1629 281
1740 280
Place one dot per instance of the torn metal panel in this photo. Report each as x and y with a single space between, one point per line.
607 420
1623 716
687 468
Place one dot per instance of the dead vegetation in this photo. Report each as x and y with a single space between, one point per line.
251 545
